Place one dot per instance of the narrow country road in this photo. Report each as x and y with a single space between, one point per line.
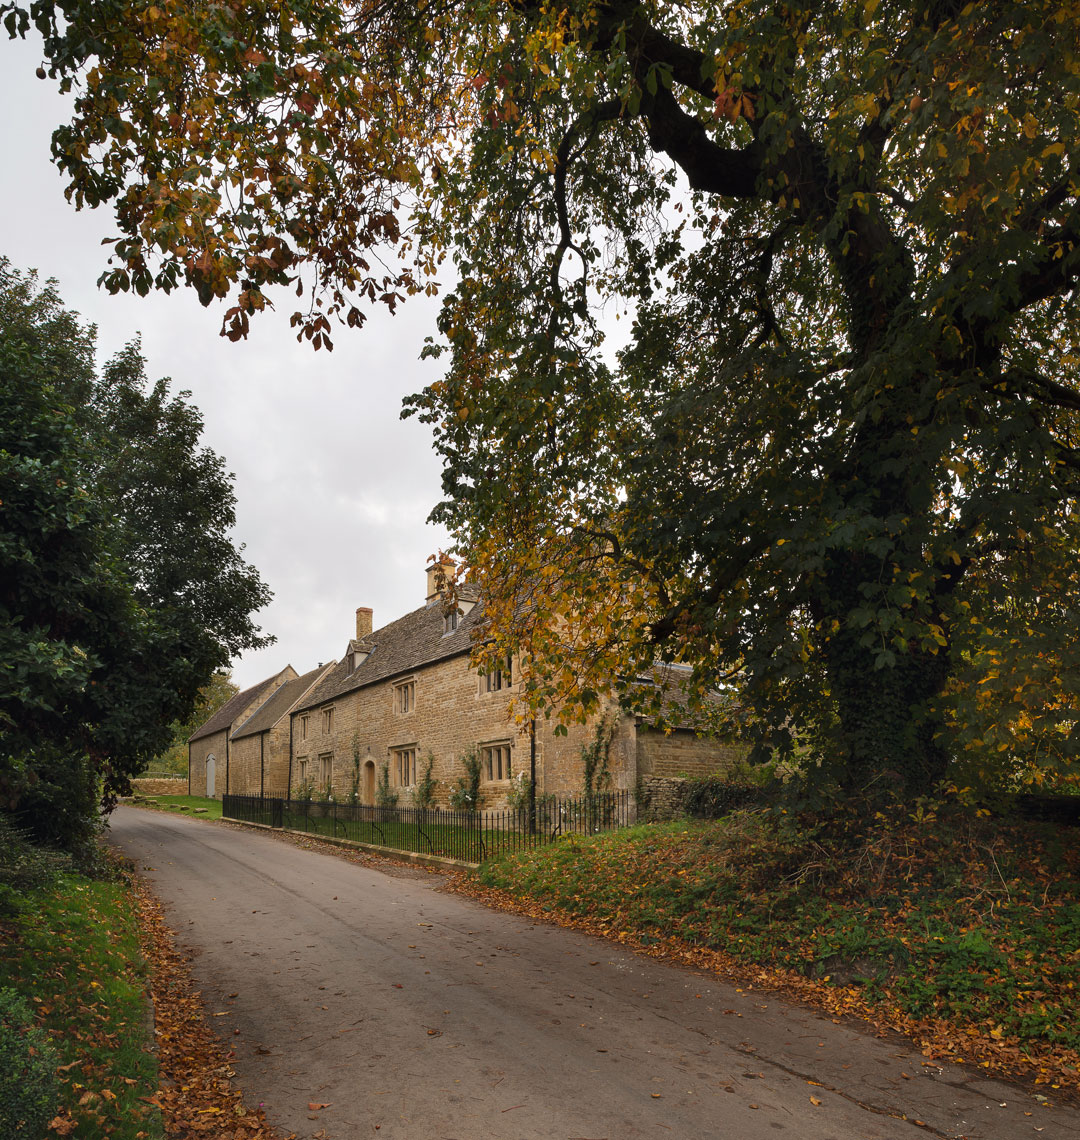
418 1015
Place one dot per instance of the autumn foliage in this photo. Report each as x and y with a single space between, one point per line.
829 452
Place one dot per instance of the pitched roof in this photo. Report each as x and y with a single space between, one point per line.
234 708
412 641
278 704
669 682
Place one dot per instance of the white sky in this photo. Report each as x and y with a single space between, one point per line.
333 489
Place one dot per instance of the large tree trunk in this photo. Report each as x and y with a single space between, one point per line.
889 735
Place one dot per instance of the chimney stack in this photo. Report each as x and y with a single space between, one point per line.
442 569
363 622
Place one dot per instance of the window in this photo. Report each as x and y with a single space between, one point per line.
328 720
497 679
304 727
405 697
404 766
450 621
495 762
326 769
303 772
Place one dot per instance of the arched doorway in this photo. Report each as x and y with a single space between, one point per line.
369 782
211 765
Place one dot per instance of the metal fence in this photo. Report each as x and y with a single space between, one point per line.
472 836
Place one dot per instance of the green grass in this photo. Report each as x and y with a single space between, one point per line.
73 953
452 841
186 804
968 924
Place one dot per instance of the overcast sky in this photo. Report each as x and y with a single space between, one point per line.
332 488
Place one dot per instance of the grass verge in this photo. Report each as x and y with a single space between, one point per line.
72 952
211 809
960 932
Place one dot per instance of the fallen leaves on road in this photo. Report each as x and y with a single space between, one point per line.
937 1039
197 1095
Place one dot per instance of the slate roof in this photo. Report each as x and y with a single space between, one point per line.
279 703
415 640
229 711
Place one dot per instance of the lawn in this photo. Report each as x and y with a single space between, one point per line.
452 841
961 931
186 804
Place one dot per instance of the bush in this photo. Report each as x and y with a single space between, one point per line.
28 1085
465 794
424 793
519 794
710 797
57 801
24 868
385 796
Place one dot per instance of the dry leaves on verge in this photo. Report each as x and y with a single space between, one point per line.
196 1094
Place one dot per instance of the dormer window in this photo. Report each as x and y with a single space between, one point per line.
451 620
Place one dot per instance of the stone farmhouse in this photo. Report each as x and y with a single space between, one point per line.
404 695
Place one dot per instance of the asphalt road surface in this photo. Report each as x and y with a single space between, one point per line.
419 1015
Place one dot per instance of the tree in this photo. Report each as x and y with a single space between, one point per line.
119 591
218 691
824 458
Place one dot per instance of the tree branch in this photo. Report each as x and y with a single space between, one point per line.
708 166
588 122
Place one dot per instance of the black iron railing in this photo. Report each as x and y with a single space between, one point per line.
472 836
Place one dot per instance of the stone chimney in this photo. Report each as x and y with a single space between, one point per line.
436 570
363 622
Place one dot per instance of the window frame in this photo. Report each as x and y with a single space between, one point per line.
405 696
492 758
500 679
403 765
328 720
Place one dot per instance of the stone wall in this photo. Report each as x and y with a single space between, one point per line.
247 763
160 786
684 753
661 798
200 754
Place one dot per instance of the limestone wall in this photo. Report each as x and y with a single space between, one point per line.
683 753
160 786
199 754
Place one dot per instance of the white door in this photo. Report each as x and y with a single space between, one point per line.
211 764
